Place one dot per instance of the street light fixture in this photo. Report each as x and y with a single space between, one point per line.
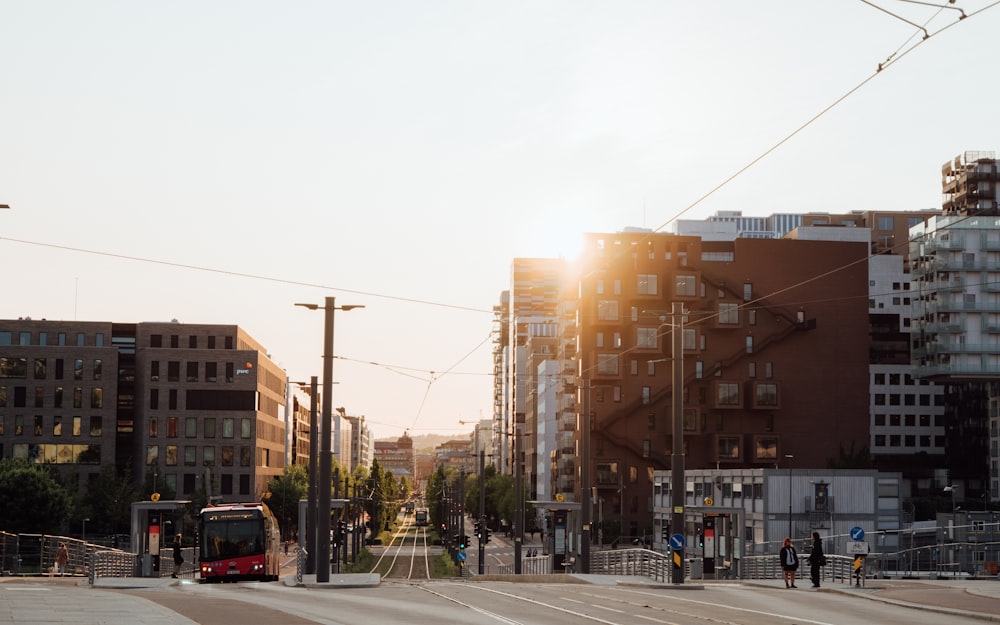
951 489
325 459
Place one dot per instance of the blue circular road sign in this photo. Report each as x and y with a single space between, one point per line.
677 542
857 533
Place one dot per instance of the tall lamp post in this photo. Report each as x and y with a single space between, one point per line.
325 456
677 431
789 457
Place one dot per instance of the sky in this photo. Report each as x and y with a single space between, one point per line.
217 162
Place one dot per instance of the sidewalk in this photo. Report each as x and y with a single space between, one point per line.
962 597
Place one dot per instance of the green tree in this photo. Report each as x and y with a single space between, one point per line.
34 500
284 493
109 500
154 482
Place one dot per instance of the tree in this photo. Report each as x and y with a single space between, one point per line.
109 500
284 493
34 500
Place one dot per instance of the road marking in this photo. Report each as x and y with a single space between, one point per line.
572 600
604 607
502 619
796 619
546 605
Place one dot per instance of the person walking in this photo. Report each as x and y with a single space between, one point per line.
816 559
178 557
62 559
789 563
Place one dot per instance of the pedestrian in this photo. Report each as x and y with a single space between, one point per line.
816 559
178 557
62 558
789 563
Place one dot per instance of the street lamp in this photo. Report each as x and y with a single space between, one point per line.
83 532
951 489
325 459
789 457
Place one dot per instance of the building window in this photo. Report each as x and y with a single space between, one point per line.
78 369
152 455
886 223
39 397
39 368
77 397
154 370
699 369
227 455
607 310
97 398
171 427
633 366
650 367
686 285
729 313
39 424
172 399
245 456
192 371
765 448
56 426
191 427
729 448
209 427
96 425
171 456
208 456
156 340
728 394
646 338
77 426
154 399
645 395
749 344
153 431
607 364
647 284
173 371
190 455
766 394
228 430
691 419
98 369
211 372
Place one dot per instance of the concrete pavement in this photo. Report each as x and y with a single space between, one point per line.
70 600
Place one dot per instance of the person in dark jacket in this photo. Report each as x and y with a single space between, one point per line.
789 563
178 558
816 559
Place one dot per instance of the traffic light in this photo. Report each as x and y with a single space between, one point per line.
701 535
665 532
478 529
486 534
464 540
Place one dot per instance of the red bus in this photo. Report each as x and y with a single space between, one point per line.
239 541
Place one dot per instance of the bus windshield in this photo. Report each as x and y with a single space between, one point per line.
229 539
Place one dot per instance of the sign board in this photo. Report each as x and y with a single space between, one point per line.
857 533
677 542
858 548
460 556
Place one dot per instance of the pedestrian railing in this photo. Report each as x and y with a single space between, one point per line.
111 563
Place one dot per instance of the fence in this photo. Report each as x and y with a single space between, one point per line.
35 554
